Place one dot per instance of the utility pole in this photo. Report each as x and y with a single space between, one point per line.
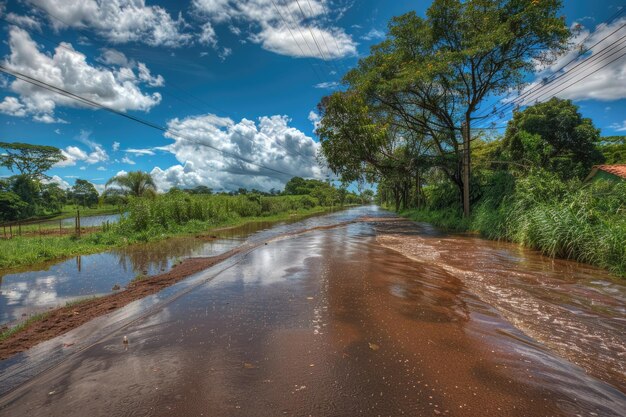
466 169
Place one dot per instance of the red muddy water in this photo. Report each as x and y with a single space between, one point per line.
367 318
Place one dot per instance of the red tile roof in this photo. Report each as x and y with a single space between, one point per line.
618 169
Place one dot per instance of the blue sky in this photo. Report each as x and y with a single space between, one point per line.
219 72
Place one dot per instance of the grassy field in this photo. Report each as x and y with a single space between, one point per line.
155 219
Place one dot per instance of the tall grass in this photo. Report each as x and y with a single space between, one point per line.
584 222
156 218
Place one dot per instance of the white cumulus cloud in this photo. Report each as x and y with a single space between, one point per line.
297 29
119 21
598 75
74 154
269 142
68 69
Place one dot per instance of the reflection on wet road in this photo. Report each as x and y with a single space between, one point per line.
25 293
338 322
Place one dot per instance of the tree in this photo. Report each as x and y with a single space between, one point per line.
553 136
367 196
84 193
28 190
136 183
296 186
11 206
614 149
53 197
301 186
200 189
431 76
29 160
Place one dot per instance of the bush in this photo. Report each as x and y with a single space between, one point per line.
585 222
172 211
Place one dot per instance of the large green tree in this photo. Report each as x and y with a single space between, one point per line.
27 159
12 207
135 183
84 193
432 75
553 136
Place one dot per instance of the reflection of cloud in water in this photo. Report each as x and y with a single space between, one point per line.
41 293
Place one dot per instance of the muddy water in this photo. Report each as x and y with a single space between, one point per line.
24 293
340 322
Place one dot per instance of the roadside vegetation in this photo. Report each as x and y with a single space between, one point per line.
149 216
417 117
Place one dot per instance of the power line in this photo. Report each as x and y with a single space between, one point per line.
322 35
315 39
556 73
182 100
324 11
86 101
538 98
575 71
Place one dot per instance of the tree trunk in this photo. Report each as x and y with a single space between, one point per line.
397 196
418 190
466 167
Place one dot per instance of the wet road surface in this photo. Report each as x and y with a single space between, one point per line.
339 322
24 293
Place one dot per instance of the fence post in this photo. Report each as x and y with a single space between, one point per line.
78 222
60 227
11 231
19 229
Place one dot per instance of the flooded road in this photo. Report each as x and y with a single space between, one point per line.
373 317
52 285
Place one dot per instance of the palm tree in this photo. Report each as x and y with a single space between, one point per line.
136 183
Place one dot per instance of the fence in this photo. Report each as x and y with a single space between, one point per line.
44 227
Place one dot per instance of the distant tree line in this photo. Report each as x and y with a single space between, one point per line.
30 193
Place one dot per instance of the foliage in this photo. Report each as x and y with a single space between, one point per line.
613 149
28 190
84 193
553 136
30 160
404 107
171 210
135 183
11 206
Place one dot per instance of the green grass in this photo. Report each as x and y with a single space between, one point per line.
22 326
157 219
583 222
80 301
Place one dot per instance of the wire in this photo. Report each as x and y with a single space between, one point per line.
324 58
152 125
556 73
182 100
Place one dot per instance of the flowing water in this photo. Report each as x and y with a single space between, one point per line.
371 317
